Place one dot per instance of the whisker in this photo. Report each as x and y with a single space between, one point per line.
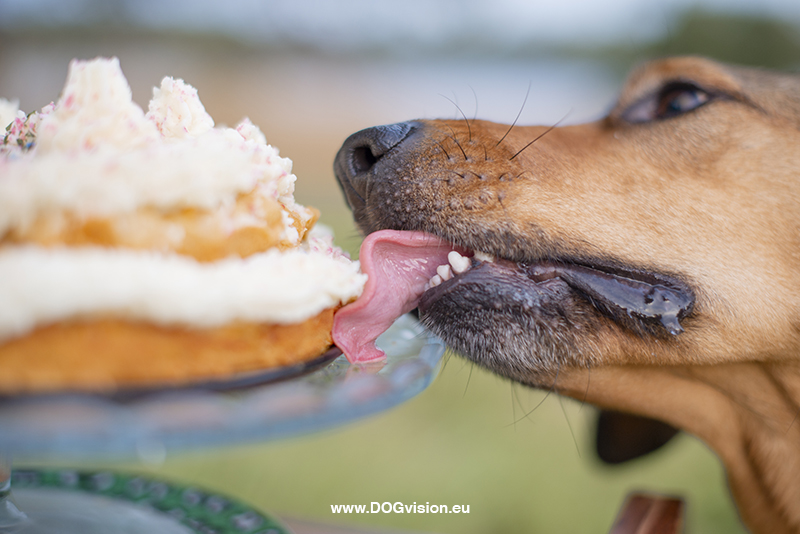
469 377
794 419
445 361
353 234
475 95
588 381
549 391
469 128
443 150
571 431
513 406
527 93
550 129
458 144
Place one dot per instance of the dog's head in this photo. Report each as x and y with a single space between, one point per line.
645 262
665 233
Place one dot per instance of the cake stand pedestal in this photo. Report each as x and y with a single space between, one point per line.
148 425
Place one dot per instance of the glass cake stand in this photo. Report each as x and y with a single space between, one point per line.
150 424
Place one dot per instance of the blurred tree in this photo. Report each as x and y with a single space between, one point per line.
742 39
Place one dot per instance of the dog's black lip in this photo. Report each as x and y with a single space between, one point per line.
612 290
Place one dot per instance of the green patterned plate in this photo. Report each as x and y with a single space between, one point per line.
76 502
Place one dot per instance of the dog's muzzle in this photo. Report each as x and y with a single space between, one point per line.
394 178
356 161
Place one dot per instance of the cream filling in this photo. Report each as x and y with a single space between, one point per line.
40 286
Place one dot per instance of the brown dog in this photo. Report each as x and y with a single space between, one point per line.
646 262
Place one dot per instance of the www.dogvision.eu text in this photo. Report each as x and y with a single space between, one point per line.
399 508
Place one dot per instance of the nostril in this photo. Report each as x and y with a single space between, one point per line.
358 163
363 150
362 159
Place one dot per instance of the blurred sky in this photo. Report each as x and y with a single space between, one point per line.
347 25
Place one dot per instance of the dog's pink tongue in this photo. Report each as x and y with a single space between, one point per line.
398 265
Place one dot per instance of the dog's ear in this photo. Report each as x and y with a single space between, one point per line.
621 436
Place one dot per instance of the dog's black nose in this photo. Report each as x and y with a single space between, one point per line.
355 163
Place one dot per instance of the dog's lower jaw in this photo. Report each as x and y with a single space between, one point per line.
526 357
528 329
502 322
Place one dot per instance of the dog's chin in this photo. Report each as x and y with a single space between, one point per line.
496 317
528 321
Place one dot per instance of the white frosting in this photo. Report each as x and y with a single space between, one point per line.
96 153
8 112
40 286
95 113
177 111
161 176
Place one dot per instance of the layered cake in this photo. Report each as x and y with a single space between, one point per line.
143 248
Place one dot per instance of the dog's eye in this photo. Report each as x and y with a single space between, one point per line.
670 101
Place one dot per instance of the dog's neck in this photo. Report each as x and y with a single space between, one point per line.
748 413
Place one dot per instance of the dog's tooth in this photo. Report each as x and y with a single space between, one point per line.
482 256
435 281
458 262
445 272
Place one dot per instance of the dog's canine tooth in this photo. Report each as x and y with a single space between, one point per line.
444 272
458 262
